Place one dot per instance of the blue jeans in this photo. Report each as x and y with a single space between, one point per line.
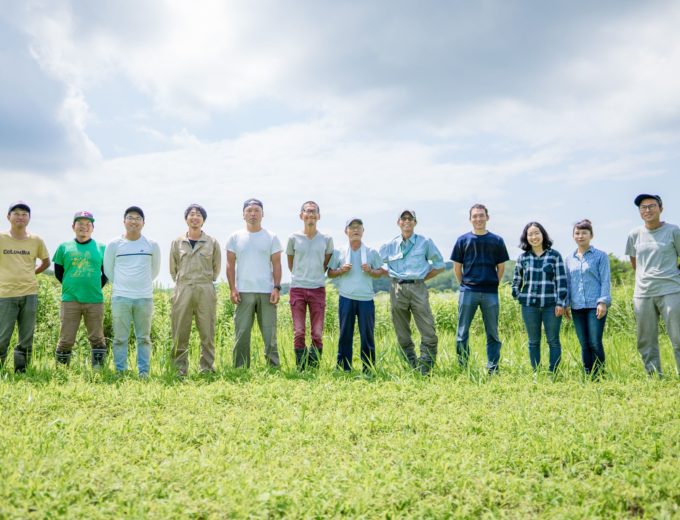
364 312
589 331
19 310
468 301
533 318
138 312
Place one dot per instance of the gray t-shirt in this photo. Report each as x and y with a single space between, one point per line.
656 254
355 284
308 258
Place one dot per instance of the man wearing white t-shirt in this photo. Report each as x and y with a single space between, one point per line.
254 276
131 263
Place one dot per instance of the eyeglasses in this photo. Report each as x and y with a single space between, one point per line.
133 219
407 219
647 207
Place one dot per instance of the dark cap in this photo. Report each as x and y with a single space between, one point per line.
410 212
252 202
352 221
83 214
19 204
643 196
134 209
198 208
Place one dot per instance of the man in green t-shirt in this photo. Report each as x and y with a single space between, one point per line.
78 266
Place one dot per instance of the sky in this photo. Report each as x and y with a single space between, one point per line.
548 111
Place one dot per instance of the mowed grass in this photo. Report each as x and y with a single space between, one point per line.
261 443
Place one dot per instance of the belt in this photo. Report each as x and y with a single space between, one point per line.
401 282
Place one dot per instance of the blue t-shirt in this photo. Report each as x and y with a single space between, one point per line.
479 254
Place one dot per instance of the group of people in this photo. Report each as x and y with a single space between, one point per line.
547 286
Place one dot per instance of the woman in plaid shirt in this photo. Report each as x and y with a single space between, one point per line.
540 286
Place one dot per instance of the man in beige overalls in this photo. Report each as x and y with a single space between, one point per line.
195 262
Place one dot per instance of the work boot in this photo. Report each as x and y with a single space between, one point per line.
314 356
98 357
63 358
19 362
301 358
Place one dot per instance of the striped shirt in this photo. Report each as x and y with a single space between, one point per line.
540 281
589 279
132 265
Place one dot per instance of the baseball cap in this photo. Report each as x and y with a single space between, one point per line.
83 214
19 204
252 202
134 209
643 196
409 211
352 221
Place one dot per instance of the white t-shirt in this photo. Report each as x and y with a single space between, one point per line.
308 258
132 265
253 259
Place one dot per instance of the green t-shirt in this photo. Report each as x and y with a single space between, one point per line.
82 264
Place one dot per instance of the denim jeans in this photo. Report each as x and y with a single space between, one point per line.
533 318
19 310
348 311
468 301
138 312
589 331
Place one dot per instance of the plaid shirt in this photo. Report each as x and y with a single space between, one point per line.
540 281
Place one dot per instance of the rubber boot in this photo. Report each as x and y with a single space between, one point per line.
63 358
98 357
301 359
20 362
314 356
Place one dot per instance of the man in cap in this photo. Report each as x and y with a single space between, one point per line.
195 262
353 271
79 267
411 259
309 252
254 275
654 249
479 260
132 262
19 251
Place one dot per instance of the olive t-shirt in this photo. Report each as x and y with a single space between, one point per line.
17 264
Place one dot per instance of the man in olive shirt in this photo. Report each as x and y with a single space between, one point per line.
19 251
79 267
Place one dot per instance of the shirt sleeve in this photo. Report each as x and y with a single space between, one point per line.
58 257
676 240
155 260
375 261
216 260
329 245
457 252
110 259
630 245
561 286
231 243
173 260
517 278
43 253
276 245
502 252
290 247
335 260
605 281
434 256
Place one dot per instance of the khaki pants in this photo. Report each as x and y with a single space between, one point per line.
255 304
71 314
191 301
408 299
647 312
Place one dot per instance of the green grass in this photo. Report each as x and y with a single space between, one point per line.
260 443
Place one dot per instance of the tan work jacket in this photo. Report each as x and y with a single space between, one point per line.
195 265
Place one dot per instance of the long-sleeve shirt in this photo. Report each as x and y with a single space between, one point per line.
199 264
540 281
589 279
411 259
132 265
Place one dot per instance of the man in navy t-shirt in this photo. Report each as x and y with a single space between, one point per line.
479 261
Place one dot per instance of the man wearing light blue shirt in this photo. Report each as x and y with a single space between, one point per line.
411 259
353 271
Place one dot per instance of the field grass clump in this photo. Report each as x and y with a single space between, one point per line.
261 443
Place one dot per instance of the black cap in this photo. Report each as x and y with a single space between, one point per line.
19 204
252 202
643 196
198 208
135 209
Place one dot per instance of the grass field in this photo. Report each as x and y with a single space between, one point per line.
77 444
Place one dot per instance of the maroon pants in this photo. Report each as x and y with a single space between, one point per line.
315 299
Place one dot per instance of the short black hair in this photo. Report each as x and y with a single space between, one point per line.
524 244
479 206
302 208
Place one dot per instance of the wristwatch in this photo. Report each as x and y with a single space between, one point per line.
277 287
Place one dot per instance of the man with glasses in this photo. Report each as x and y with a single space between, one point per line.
411 259
19 251
654 249
309 252
132 262
79 267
